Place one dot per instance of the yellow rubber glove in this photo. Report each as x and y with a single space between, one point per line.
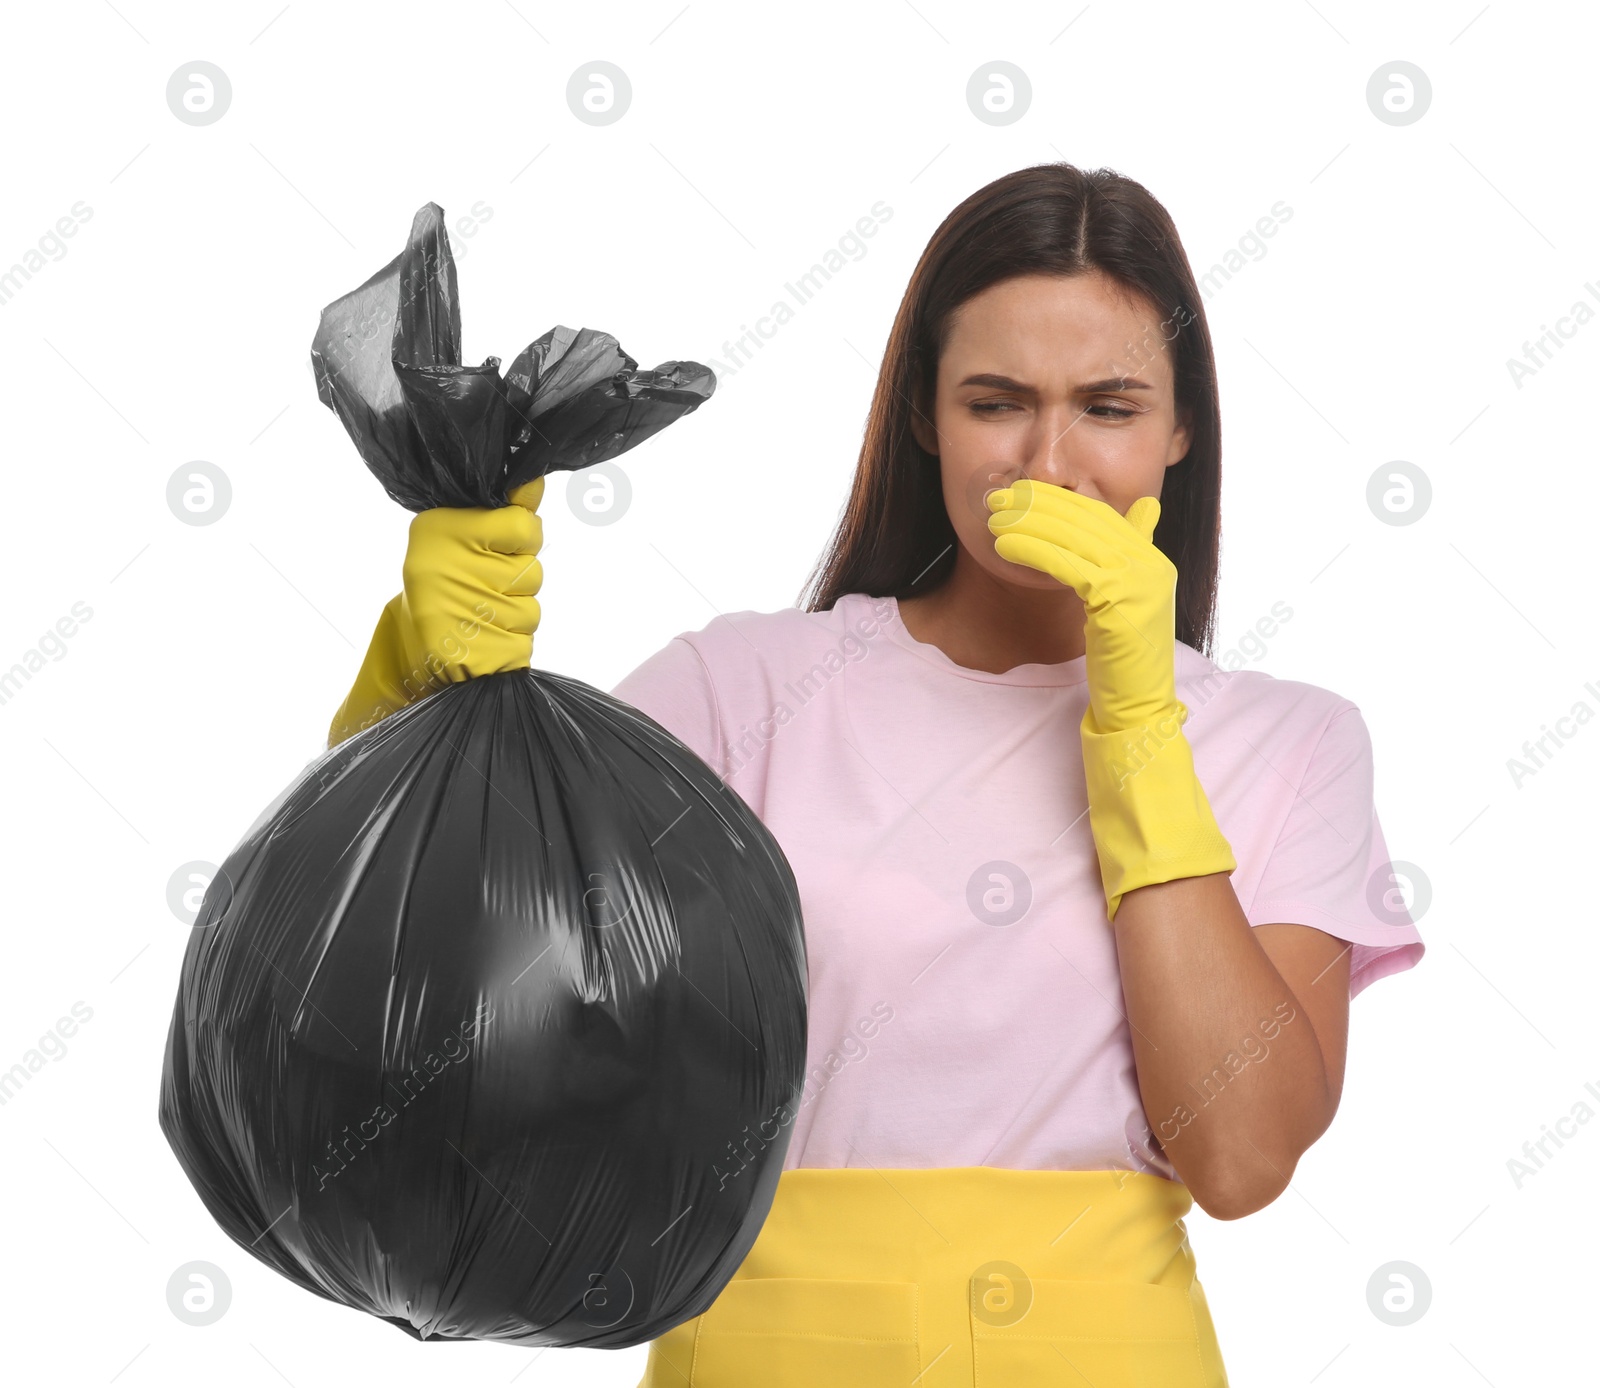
468 608
1147 809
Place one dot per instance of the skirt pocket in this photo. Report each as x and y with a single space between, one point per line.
801 1332
1110 1334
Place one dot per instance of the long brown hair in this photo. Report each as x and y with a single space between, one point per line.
895 538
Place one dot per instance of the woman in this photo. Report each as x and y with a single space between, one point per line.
1067 885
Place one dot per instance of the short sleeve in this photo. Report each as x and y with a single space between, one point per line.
674 687
1330 867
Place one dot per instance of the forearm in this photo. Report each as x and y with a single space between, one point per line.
1229 1066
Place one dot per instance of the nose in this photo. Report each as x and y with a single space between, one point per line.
1050 450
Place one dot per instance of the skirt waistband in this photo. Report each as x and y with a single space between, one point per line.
1124 1226
949 1277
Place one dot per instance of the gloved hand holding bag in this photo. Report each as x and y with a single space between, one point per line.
468 607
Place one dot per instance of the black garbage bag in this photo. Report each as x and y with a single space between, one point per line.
493 1025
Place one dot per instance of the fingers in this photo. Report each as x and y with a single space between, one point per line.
1088 527
520 616
471 576
478 638
1026 494
1143 515
485 650
482 574
1090 512
451 570
511 529
504 530
1046 557
521 577
1068 533
529 494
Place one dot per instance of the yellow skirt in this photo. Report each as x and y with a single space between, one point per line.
950 1277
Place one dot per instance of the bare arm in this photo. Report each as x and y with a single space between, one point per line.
1238 1036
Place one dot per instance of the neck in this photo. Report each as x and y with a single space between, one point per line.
984 623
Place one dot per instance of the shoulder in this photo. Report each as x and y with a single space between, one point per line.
748 653
732 644
1298 728
1213 694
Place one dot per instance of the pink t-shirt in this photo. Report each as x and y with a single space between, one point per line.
965 1006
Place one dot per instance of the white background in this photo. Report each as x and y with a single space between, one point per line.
1376 326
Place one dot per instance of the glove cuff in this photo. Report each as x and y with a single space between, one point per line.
1148 812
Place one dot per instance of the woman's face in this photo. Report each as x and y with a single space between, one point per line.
1060 379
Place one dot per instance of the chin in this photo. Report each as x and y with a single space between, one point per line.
1021 576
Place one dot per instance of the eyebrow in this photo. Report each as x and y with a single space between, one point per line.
1092 388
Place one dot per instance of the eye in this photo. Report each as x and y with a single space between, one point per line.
994 407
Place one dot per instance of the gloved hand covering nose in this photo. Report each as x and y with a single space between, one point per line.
1148 812
468 607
